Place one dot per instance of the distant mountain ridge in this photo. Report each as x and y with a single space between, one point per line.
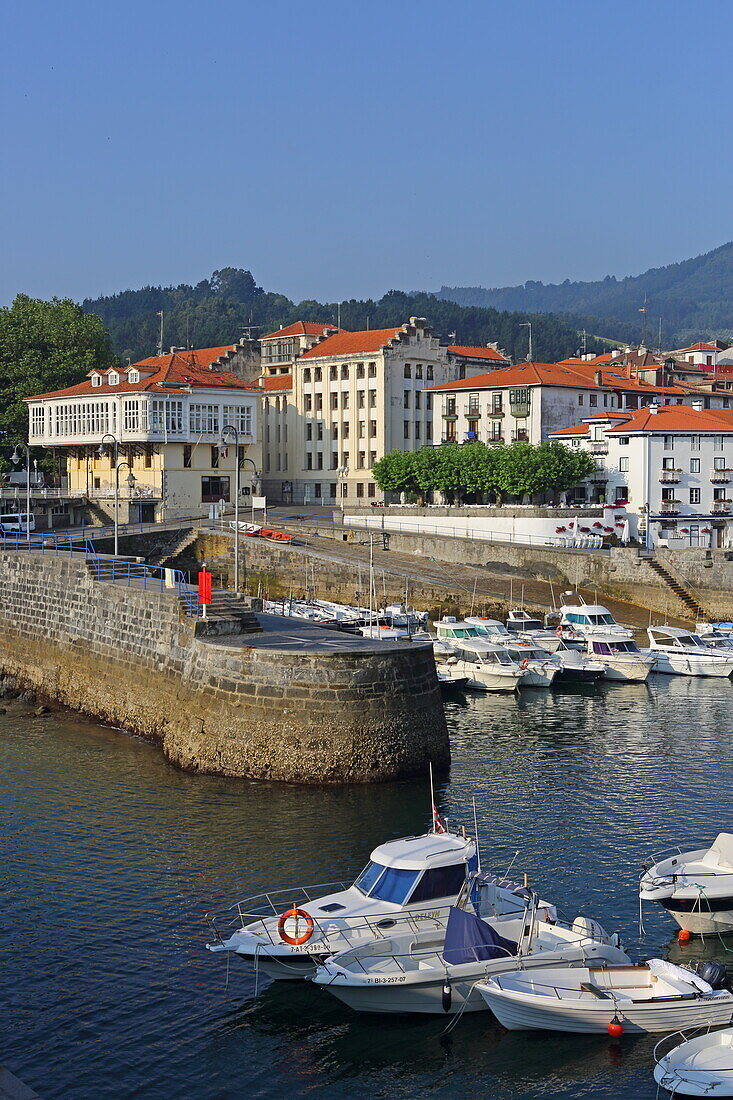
694 299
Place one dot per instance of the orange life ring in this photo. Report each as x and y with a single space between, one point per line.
524 663
558 631
297 914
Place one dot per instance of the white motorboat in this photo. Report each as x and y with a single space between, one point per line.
653 996
438 972
717 633
680 653
531 629
576 667
622 658
287 933
540 667
589 619
700 1066
696 888
487 664
448 676
492 629
404 615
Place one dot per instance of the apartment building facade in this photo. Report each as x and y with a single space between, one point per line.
153 429
346 401
670 465
527 402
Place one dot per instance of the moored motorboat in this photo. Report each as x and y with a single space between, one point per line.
651 997
622 658
286 933
438 973
540 667
699 1066
487 664
682 653
576 667
588 619
696 887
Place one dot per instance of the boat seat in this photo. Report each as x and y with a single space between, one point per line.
589 987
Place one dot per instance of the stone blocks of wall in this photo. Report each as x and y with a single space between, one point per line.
130 658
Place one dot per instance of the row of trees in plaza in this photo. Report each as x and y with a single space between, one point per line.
478 470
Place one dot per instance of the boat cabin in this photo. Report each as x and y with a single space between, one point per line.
478 651
418 869
519 621
609 645
488 627
675 637
450 627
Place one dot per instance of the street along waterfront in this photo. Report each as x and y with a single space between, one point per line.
110 858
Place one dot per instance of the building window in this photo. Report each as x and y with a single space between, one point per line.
308 461
213 489
694 496
694 442
418 399
669 442
362 429
668 494
372 428
309 430
497 402
593 400
719 494
372 399
334 460
580 399
319 460
406 429
371 489
428 430
344 371
695 465
429 373
408 372
317 489
332 489
203 420
359 370
215 457
335 431
333 373
623 465
418 370
307 374
344 400
667 464
334 401
96 380
113 378
417 429
360 399
360 488
319 430
623 440
717 443
317 374
372 458
718 463
372 370
345 455
361 460
406 399
308 403
319 402
345 430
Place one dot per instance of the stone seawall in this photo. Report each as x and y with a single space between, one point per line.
309 707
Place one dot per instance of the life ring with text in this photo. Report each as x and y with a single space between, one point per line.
524 663
296 915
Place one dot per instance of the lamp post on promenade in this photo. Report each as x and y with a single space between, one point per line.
228 431
15 459
130 479
100 452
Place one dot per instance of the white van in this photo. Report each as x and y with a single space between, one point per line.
16 521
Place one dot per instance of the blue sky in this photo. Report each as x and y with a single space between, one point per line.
342 149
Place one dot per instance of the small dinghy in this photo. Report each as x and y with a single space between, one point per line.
702 1066
696 888
654 996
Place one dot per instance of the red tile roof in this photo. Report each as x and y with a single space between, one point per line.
597 360
676 418
301 328
477 353
162 374
277 382
578 429
197 357
556 374
353 343
701 345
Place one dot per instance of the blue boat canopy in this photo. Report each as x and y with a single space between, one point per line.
470 939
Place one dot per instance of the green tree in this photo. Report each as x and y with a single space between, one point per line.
44 346
395 473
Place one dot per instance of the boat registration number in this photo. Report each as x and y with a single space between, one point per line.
435 915
387 981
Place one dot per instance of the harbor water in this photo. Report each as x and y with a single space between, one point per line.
109 859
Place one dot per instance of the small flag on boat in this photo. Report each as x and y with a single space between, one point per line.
438 823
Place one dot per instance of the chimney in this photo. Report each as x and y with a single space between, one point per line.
599 378
697 404
653 409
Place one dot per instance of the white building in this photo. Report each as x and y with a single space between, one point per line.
671 464
527 402
162 418
345 401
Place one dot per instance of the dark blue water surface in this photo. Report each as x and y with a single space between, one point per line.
109 859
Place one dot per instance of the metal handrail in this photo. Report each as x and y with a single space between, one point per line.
388 525
155 577
47 544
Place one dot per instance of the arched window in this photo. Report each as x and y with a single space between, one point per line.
408 372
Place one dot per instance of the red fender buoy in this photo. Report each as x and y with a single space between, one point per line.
615 1028
683 935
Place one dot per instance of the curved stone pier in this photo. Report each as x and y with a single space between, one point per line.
296 703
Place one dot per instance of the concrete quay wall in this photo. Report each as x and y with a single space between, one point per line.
329 710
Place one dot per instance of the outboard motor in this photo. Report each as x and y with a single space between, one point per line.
713 973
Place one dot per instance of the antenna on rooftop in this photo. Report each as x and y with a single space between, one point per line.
338 322
660 336
643 310
528 324
160 341
585 342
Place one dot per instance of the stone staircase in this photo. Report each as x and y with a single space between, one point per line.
697 611
175 547
226 614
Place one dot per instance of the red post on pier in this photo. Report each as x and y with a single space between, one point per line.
204 589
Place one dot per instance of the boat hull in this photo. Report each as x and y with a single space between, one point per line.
671 665
701 922
518 1012
630 672
702 1066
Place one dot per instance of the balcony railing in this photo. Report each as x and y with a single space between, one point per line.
670 475
721 506
491 410
449 439
138 492
520 437
721 475
599 447
670 507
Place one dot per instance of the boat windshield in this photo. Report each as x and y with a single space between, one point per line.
460 631
386 883
689 639
531 624
608 648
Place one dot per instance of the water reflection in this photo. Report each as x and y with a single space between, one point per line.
109 859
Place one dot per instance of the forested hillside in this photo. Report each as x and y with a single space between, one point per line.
694 298
216 310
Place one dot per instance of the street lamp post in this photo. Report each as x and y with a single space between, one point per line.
100 452
15 459
130 479
230 430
